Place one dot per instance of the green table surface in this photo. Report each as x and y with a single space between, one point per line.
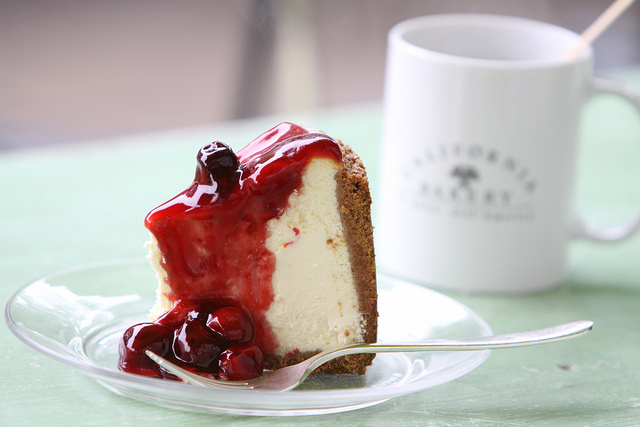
68 205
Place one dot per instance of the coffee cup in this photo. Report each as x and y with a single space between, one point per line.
480 140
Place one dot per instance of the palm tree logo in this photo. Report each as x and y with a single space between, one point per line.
465 174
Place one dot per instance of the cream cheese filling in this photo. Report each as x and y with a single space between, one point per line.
315 306
163 304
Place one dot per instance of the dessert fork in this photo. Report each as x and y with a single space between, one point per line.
290 377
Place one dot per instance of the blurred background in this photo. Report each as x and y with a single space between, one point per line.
74 70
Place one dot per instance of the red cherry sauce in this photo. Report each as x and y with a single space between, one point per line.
212 235
207 337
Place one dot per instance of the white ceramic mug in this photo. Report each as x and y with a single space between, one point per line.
479 149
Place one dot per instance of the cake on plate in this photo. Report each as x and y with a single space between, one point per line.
266 259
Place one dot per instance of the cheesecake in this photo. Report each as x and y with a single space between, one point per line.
264 260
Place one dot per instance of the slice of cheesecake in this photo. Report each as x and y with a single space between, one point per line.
282 231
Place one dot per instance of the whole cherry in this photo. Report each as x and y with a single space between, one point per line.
181 311
193 344
218 163
242 361
139 338
231 324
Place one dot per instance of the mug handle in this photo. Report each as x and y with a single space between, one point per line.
612 234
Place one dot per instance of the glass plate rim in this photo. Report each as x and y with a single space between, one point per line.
88 367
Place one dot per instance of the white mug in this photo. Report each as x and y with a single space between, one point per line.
481 117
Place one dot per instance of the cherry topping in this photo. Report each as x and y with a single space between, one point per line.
208 338
192 344
231 324
182 310
139 338
218 163
240 362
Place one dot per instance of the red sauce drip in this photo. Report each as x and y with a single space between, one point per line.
212 235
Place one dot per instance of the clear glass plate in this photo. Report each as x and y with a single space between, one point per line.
77 316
